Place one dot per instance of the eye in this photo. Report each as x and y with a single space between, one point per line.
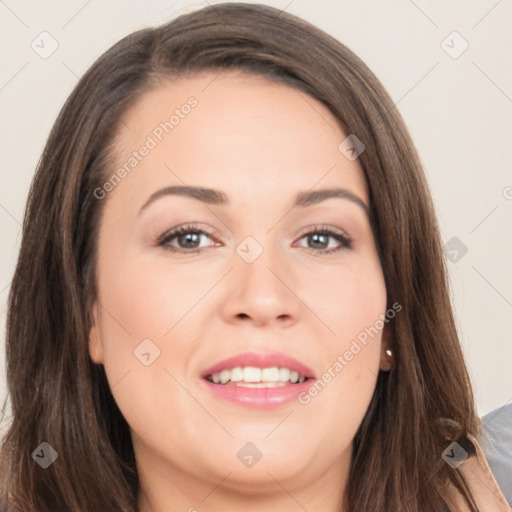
326 240
185 239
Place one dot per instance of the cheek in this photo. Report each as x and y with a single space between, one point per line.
351 304
149 298
347 298
148 342
148 317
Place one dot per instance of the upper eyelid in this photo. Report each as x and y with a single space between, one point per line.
185 227
331 230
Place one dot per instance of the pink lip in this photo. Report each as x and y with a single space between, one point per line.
262 398
260 361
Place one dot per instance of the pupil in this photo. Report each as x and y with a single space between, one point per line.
190 238
315 238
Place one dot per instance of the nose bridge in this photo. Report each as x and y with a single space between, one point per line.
261 290
255 261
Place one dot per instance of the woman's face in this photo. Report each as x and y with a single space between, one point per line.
269 287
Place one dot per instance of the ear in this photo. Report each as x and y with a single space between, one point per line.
95 345
387 354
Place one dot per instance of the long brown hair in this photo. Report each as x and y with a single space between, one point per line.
57 395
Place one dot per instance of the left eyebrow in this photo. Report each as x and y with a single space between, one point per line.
304 199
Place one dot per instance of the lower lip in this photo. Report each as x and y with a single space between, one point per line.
262 398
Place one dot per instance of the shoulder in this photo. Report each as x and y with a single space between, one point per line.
496 442
473 466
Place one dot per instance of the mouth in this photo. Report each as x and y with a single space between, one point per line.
258 380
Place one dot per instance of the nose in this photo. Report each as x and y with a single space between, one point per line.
262 292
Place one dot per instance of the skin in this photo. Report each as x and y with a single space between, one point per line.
260 143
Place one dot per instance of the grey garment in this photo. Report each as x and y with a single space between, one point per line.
496 443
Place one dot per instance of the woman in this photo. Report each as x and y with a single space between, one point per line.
231 290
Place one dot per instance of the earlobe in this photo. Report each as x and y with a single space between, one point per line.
387 356
387 360
95 345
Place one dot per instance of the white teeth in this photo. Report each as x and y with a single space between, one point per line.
284 374
270 374
237 374
250 376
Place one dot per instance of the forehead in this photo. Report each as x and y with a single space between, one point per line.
234 133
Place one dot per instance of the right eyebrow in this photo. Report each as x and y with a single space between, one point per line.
207 195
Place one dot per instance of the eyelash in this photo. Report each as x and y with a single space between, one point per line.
164 239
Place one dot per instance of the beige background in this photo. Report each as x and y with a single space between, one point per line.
459 112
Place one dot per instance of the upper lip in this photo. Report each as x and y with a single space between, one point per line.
260 360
